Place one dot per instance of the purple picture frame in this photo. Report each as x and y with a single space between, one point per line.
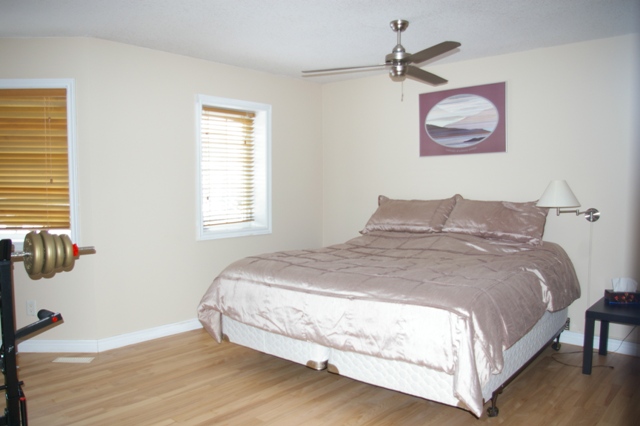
470 120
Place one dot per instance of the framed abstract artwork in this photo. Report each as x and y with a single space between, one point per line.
470 120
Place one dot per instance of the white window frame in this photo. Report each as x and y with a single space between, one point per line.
17 236
262 208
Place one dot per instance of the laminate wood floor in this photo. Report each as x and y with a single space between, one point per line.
189 379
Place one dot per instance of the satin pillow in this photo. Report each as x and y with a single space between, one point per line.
410 215
501 220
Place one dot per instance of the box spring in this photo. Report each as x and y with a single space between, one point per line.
391 374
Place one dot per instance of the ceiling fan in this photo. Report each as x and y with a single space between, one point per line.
399 61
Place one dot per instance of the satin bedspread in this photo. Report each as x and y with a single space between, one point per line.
447 301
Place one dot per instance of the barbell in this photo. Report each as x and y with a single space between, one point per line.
44 253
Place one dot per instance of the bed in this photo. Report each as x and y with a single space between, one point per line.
441 299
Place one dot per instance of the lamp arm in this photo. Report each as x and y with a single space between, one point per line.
558 211
590 214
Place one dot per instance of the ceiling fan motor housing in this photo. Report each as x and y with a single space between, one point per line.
397 57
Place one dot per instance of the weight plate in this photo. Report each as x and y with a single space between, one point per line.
49 252
59 252
69 260
35 260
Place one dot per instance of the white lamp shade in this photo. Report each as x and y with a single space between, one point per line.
558 194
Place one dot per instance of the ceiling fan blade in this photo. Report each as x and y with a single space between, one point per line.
343 69
433 51
424 76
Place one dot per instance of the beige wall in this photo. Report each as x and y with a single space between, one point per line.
572 113
137 162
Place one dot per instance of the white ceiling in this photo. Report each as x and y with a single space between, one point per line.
287 36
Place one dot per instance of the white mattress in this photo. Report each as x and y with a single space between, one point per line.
391 374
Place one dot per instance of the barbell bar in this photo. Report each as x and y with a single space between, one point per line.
44 253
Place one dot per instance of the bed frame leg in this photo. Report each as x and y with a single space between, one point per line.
556 345
493 410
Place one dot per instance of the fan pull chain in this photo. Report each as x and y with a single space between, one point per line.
402 91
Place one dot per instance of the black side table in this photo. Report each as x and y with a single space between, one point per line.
605 313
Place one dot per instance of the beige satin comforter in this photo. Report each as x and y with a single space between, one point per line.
447 301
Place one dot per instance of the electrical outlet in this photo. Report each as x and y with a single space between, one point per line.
567 324
32 309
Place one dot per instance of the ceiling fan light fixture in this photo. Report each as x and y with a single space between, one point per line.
397 70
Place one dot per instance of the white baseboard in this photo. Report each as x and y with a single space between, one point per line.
95 346
613 345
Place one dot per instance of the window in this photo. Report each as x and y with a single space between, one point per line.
37 168
234 191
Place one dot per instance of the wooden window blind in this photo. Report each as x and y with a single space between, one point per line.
227 168
34 170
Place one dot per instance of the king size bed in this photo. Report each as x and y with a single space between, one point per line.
441 299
